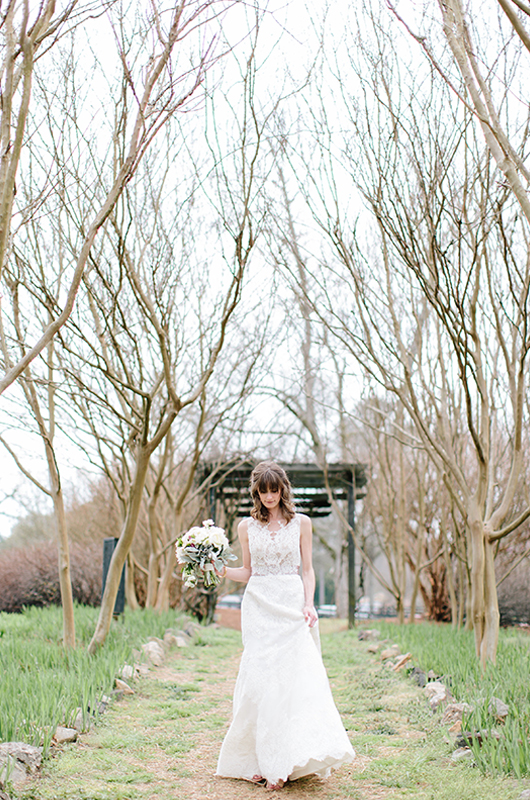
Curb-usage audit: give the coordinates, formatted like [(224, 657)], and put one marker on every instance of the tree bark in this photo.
[(122, 549), (130, 590)]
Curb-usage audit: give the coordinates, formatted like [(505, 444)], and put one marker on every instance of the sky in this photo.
[(288, 46)]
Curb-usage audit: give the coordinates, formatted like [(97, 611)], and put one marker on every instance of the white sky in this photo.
[(288, 44)]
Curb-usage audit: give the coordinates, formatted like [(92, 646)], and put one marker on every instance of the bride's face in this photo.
[(270, 500)]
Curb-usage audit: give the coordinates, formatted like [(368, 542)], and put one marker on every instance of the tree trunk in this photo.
[(162, 601), (463, 592), (152, 580), (400, 610), (484, 602), (63, 550), (130, 591), (417, 576), (122, 549), (477, 580), (341, 581), (490, 637), (451, 587), (65, 579)]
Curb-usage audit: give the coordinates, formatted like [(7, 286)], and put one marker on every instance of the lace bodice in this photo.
[(274, 553)]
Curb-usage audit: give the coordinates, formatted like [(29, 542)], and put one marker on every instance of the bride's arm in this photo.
[(243, 573), (308, 573)]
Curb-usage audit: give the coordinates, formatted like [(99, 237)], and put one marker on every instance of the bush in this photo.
[(29, 576), (514, 597)]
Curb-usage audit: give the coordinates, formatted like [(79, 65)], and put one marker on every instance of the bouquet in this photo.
[(202, 551)]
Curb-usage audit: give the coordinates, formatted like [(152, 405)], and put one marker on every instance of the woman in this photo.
[(285, 724)]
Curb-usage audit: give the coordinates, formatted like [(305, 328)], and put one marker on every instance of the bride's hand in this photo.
[(221, 573), (310, 615)]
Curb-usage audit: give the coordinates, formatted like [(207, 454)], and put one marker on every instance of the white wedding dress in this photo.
[(285, 723)]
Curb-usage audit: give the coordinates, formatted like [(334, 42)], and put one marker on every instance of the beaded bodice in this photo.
[(274, 552)]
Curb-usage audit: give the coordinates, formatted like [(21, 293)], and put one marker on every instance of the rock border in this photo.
[(437, 693), (19, 761)]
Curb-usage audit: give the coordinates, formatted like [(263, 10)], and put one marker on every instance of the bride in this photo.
[(285, 724)]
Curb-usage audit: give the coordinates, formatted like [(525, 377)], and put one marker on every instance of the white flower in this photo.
[(216, 536), (197, 535), (208, 523)]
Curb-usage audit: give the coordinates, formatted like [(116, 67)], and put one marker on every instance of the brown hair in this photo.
[(270, 477)]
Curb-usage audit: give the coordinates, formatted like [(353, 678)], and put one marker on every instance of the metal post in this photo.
[(351, 552), (109, 546), (212, 503)]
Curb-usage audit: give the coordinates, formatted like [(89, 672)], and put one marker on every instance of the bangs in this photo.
[(268, 482)]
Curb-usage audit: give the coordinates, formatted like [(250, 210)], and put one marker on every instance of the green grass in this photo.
[(162, 742), (451, 654), (42, 685)]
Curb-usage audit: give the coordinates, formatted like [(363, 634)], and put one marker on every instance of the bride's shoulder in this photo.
[(305, 522), (244, 524)]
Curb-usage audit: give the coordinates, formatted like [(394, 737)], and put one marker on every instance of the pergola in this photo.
[(313, 491)]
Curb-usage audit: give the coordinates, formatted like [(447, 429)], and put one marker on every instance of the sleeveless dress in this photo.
[(285, 723)]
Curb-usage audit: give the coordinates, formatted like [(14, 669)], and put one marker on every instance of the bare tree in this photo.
[(440, 290), (152, 89)]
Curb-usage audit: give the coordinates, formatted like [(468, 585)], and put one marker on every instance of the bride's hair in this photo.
[(270, 477)]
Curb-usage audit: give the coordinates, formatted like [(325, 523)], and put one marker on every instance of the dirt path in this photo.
[(200, 782), (162, 743)]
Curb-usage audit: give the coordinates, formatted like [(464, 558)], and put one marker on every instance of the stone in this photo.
[(373, 648), (127, 672), (17, 761), (437, 694), (453, 713), (498, 709), (466, 738), (525, 795), (401, 661), (142, 669), (432, 676), (390, 652), (81, 724), (178, 639), (418, 676), (64, 735), (191, 628), (103, 703), (434, 688), (160, 642), (121, 686), (154, 652), (369, 635), (462, 753)]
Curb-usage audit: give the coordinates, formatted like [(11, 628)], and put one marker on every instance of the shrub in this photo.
[(29, 576)]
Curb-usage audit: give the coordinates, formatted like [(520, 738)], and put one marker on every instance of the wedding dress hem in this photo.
[(320, 766)]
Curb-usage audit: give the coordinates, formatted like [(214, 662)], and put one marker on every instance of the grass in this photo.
[(452, 654), (163, 742), (43, 685)]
